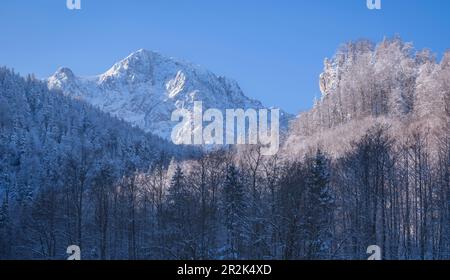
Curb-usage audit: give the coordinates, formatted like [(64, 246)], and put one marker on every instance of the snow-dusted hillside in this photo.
[(146, 87), (366, 83)]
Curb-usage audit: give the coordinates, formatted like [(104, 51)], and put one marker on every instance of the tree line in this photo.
[(242, 205)]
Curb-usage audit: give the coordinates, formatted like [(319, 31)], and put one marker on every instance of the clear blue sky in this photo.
[(274, 49)]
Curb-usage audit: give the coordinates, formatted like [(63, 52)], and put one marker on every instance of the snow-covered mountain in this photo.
[(146, 87)]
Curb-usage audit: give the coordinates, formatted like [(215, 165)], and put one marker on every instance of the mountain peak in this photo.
[(64, 72), (143, 53), (140, 62)]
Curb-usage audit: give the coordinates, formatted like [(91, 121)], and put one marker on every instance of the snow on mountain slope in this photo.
[(146, 87)]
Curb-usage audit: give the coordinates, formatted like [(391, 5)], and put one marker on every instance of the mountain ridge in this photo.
[(146, 87)]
